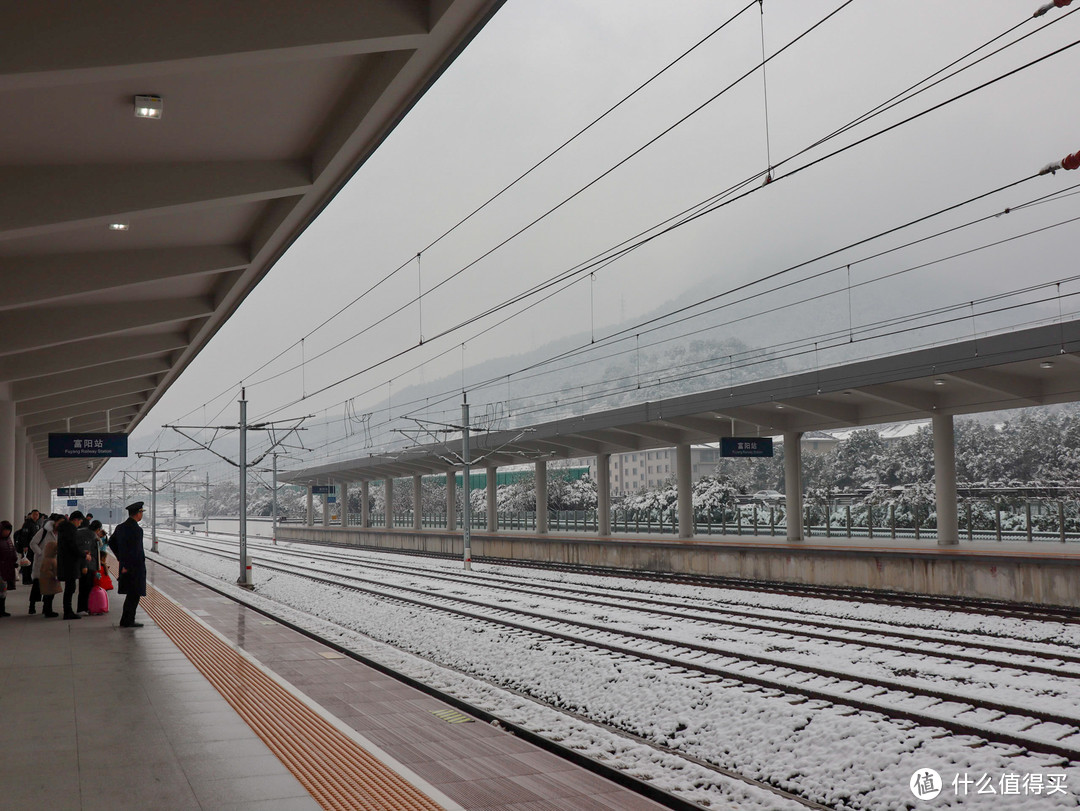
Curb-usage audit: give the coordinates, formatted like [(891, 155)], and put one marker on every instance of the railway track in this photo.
[(738, 618), (1053, 662), (1026, 727), (982, 607)]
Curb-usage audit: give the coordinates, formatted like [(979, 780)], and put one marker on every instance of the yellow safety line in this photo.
[(339, 773)]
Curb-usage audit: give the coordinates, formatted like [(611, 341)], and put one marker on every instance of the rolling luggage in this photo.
[(99, 601)]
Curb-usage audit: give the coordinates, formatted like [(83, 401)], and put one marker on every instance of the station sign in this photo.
[(73, 502), (322, 489), (68, 446), (753, 447), (331, 499), (68, 492)]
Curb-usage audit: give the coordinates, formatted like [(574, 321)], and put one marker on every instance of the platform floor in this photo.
[(95, 716)]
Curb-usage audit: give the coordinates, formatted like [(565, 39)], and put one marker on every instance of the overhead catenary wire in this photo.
[(859, 242), (712, 208), (1044, 198), (652, 78), (864, 117), (850, 330), (405, 305)]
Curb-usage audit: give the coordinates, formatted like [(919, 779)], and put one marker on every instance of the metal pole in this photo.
[(153, 504), (206, 508), (174, 507), (243, 581), (466, 529), (273, 506)]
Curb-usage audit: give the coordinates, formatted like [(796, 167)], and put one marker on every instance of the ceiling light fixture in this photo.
[(118, 226), (1046, 364), (148, 106), (939, 382)]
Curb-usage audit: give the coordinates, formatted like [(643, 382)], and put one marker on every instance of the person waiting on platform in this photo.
[(127, 544), (23, 536), (71, 563), (8, 558), (37, 547), (47, 580)]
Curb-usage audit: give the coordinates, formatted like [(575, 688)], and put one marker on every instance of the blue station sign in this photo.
[(74, 446), (73, 502), (753, 447)]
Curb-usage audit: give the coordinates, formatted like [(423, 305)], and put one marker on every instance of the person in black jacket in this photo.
[(127, 544), (70, 564), (23, 536)]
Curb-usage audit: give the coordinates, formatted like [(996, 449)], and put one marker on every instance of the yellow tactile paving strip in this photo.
[(339, 773)]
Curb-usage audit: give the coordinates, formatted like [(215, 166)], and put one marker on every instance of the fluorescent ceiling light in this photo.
[(118, 226), (148, 106)]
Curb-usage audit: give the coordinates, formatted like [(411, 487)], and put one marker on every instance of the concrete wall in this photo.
[(255, 526), (1050, 581)]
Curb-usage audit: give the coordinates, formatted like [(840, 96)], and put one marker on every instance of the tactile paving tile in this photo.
[(337, 771)]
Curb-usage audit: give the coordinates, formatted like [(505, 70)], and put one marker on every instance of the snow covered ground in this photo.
[(668, 725)]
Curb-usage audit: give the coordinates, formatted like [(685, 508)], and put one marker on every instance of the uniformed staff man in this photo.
[(127, 544)]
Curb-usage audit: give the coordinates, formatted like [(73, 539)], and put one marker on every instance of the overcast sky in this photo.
[(542, 69)]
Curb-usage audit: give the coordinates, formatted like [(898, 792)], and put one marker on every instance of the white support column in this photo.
[(793, 484), (7, 458), (46, 490), (451, 500), (417, 502), (948, 529), (30, 486), (684, 483), (22, 503), (541, 498), (389, 492), (343, 503), (603, 493), (326, 508), (310, 507), (365, 504), (492, 500)]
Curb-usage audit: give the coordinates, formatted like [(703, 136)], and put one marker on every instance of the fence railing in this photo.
[(1028, 521)]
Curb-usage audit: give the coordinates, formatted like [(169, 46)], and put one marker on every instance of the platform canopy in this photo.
[(126, 242), (1030, 367)]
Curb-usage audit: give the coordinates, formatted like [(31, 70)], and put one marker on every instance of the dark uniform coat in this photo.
[(127, 544)]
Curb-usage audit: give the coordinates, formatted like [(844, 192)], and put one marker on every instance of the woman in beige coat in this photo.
[(47, 579)]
